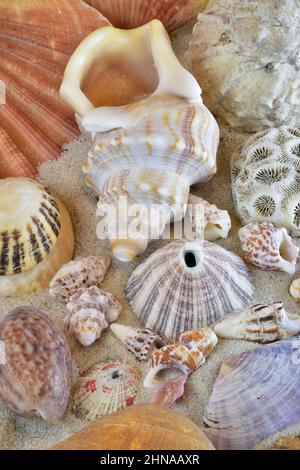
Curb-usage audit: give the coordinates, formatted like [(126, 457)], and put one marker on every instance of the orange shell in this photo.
[(133, 13), (139, 427), (36, 41)]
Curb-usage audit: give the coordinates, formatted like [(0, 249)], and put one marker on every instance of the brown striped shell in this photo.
[(36, 236), (35, 364)]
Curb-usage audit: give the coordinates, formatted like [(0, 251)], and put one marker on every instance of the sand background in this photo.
[(65, 178)]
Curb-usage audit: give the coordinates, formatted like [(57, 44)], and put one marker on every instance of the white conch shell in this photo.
[(189, 353), (152, 136), (216, 222), (90, 311), (265, 179), (186, 285), (268, 247), (246, 56), (259, 323), (36, 236)]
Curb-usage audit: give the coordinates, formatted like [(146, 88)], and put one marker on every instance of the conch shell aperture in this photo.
[(152, 136)]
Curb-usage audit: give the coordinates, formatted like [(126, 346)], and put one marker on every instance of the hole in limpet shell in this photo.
[(116, 374), (190, 259)]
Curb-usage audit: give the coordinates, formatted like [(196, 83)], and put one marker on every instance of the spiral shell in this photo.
[(152, 135), (186, 285), (90, 312), (140, 342), (81, 272), (256, 395), (269, 248), (35, 365), (189, 353), (261, 323), (36, 236), (105, 388), (265, 179)]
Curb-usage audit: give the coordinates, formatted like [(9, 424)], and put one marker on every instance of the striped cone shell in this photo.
[(105, 388), (187, 285)]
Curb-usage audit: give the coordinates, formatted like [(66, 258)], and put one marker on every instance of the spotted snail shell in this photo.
[(36, 236), (152, 135), (35, 364)]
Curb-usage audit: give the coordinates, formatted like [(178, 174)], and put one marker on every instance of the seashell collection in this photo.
[(187, 285), (90, 312), (105, 388), (268, 247), (109, 69)]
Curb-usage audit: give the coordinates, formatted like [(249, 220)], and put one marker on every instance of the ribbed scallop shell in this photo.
[(187, 354), (265, 179), (141, 342), (35, 364), (261, 323), (133, 13), (268, 247), (90, 312), (81, 272), (105, 388), (187, 285), (256, 394), (36, 40)]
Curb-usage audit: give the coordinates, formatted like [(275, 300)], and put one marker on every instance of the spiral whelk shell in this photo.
[(268, 247), (152, 139), (90, 312), (187, 285), (256, 395), (35, 364), (105, 388), (187, 354), (265, 179), (36, 236), (81, 272), (261, 323)]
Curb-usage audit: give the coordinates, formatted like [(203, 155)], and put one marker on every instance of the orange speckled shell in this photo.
[(134, 13), (36, 39), (36, 367), (139, 427)]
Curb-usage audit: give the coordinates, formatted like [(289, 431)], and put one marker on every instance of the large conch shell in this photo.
[(153, 137), (130, 14), (36, 40), (35, 364), (256, 395), (261, 323), (36, 236), (188, 285)]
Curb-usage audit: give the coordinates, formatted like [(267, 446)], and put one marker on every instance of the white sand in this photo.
[(65, 178)]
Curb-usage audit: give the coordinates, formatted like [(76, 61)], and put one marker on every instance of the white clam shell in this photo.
[(260, 323), (256, 395), (187, 285)]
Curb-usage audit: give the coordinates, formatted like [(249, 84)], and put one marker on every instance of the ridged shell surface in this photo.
[(35, 365), (256, 395), (105, 388), (265, 179), (187, 285), (245, 55), (36, 41), (36, 235), (134, 13), (80, 272)]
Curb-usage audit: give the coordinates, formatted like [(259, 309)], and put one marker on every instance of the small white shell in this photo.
[(216, 222), (260, 323), (90, 311), (105, 388), (81, 272), (268, 247), (295, 289)]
